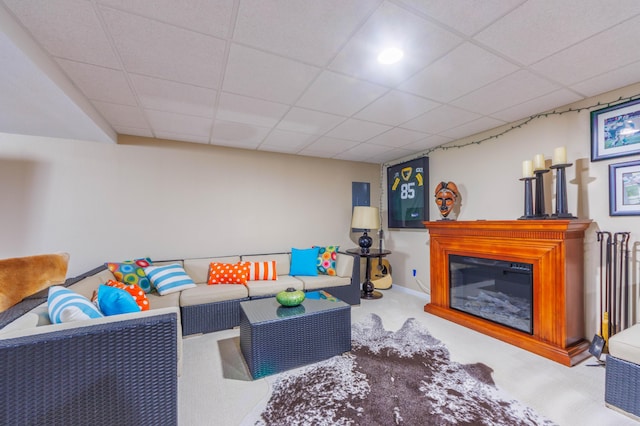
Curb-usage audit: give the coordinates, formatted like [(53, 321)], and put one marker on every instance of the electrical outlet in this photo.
[(414, 272)]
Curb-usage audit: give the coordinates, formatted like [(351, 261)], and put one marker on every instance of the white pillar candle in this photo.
[(527, 168), (560, 155), (538, 162)]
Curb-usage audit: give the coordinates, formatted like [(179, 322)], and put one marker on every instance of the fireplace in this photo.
[(495, 290), (543, 260)]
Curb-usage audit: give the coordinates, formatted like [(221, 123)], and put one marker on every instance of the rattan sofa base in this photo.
[(622, 386), (210, 317), (116, 373)]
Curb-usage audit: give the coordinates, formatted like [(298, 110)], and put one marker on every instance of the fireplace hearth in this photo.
[(545, 317)]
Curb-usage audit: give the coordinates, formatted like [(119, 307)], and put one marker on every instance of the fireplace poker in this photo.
[(598, 342), (607, 278)]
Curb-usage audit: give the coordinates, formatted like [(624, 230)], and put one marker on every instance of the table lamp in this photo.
[(365, 218)]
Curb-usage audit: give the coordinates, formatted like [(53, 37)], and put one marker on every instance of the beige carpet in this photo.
[(215, 388)]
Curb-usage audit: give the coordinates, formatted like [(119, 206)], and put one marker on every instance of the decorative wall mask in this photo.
[(447, 195)]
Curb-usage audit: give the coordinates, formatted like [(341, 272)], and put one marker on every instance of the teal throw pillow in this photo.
[(115, 301), (304, 261)]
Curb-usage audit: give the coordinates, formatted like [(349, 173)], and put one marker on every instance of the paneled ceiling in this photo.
[(301, 76)]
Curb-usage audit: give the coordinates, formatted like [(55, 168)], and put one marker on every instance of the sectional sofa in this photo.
[(123, 369)]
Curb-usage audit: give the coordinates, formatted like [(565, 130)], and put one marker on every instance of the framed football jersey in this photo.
[(407, 184)]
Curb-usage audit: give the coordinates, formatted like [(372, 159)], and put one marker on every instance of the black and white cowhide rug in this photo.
[(392, 378)]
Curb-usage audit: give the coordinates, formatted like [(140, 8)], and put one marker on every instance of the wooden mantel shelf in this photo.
[(554, 248)]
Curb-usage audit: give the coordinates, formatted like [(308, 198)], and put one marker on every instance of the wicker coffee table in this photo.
[(275, 338)]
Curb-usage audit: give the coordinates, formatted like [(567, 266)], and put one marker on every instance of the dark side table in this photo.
[(368, 291)]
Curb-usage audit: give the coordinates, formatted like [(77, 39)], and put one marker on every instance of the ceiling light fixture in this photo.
[(390, 55)]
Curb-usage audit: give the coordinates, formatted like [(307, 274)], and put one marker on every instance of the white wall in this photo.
[(164, 200), (487, 175)]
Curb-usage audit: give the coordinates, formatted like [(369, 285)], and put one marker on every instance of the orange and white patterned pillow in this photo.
[(134, 290), (228, 273), (262, 270)]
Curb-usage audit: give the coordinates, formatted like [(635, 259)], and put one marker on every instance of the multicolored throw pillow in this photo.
[(228, 273), (262, 270), (327, 260), (132, 272), (134, 290), (65, 305)]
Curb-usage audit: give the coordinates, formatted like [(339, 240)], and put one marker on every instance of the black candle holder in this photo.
[(528, 198), (539, 204), (561, 192)]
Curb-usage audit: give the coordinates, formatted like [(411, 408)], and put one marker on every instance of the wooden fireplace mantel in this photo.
[(553, 247)]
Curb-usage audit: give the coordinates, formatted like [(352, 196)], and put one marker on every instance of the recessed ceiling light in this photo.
[(390, 55)]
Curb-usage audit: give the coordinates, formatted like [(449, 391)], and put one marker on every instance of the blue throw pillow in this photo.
[(304, 261), (115, 301), (65, 305)]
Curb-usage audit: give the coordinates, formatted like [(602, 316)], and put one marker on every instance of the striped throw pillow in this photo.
[(65, 305), (169, 278), (262, 270)]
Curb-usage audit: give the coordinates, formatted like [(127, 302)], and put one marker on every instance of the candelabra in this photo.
[(561, 192), (528, 198)]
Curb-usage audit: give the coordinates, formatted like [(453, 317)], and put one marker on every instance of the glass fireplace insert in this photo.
[(496, 290)]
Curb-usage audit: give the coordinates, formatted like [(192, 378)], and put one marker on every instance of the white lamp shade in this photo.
[(365, 218)]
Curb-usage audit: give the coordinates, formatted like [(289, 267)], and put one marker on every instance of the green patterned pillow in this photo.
[(132, 272)]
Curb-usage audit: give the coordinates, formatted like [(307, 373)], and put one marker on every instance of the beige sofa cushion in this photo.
[(198, 269), (323, 281), (283, 261), (271, 288), (344, 265), (204, 293), (626, 344), (171, 300), (87, 286)]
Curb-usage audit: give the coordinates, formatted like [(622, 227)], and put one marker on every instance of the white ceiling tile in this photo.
[(392, 26), (242, 109), (397, 137), (121, 115), (309, 31), (440, 119), (473, 127), (67, 29), (466, 16), (99, 83), (292, 141), (396, 107), (328, 147), (357, 130), (339, 94), (390, 155), (205, 16), (614, 79), (514, 89), (183, 137), (601, 53), (308, 121), (427, 143), (170, 122), (363, 152), (159, 50), (169, 96), (237, 134), (266, 76), (538, 29), (463, 70), (543, 103)]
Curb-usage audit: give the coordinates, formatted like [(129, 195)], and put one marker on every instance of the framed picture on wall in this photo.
[(624, 189), (615, 131), (407, 187)]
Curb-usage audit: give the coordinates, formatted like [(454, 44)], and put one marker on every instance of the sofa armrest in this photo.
[(351, 293), (100, 373)]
